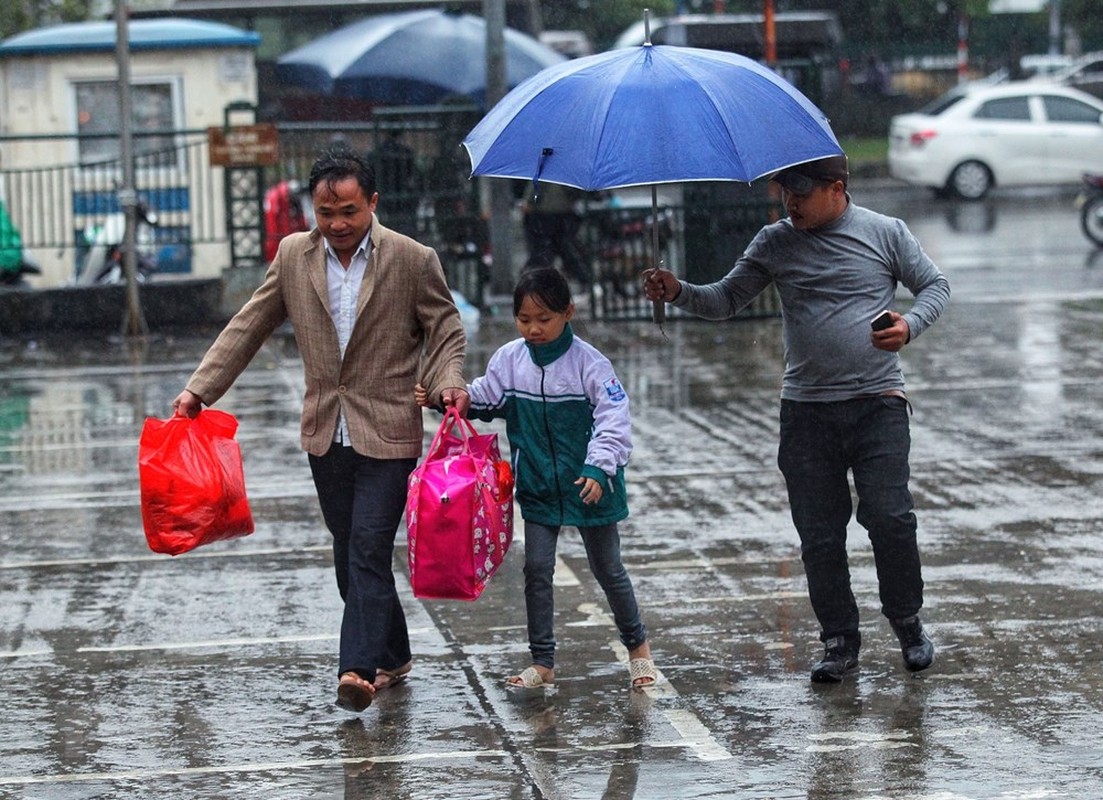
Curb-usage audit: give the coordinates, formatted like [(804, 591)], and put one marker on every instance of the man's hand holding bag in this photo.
[(192, 482)]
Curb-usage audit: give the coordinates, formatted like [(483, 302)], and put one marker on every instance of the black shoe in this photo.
[(840, 658), (915, 644)]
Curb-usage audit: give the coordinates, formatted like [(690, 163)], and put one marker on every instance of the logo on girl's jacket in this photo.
[(614, 390)]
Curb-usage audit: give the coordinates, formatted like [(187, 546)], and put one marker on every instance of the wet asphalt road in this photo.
[(127, 674)]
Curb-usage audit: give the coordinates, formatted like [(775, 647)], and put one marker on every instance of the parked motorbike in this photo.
[(1090, 202), (103, 260)]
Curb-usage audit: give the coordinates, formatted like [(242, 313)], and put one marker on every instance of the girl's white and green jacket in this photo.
[(566, 417)]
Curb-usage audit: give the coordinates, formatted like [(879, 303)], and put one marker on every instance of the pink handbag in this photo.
[(459, 513)]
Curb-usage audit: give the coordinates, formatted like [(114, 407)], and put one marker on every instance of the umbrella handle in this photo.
[(658, 311)]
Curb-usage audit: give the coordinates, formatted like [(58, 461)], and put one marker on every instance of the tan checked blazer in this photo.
[(407, 330)]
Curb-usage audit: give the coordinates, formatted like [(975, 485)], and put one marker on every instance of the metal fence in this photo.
[(57, 207), (425, 189)]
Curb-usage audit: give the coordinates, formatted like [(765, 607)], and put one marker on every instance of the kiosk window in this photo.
[(97, 104)]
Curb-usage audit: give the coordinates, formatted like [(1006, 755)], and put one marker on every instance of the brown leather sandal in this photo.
[(387, 678), (354, 693)]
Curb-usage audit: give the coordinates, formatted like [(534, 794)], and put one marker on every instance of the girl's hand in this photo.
[(591, 490), (421, 395)]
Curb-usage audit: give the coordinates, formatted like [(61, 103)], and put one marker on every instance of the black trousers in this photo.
[(820, 444), (362, 501)]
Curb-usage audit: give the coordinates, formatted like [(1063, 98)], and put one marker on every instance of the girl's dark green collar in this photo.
[(547, 352)]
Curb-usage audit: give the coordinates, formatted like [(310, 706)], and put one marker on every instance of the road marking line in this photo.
[(727, 598), (857, 740), (695, 736), (216, 643), (564, 575), (92, 777), (26, 653), (161, 557), (136, 648)]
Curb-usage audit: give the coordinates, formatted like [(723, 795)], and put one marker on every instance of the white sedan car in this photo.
[(1015, 134)]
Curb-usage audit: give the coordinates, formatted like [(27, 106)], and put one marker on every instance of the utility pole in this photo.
[(769, 39), (495, 191), (1055, 27), (962, 46), (135, 322)]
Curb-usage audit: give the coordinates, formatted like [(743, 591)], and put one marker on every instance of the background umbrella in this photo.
[(647, 115), (409, 58)]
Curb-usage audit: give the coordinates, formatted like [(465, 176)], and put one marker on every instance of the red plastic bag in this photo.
[(459, 513), (192, 481)]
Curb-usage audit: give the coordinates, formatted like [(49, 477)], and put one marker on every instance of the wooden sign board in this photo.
[(244, 146)]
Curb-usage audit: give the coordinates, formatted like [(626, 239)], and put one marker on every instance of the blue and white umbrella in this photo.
[(418, 57), (648, 115)]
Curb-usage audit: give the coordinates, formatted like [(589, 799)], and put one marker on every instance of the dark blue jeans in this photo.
[(362, 501), (603, 553), (820, 444)]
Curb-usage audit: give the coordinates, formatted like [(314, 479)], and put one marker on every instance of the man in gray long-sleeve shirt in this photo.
[(836, 266)]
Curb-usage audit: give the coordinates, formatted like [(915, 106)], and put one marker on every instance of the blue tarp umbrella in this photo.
[(410, 58), (650, 114), (647, 115)]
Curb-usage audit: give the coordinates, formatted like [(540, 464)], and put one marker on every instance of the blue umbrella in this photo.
[(410, 58), (650, 114), (647, 115)]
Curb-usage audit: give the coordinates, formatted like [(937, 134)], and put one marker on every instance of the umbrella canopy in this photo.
[(410, 58), (650, 114)]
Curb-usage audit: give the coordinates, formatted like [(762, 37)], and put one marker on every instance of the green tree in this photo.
[(17, 16), (1083, 16)]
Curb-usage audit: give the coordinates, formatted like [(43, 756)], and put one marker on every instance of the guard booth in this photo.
[(59, 135)]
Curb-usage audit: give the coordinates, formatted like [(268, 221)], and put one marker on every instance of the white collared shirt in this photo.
[(344, 290)]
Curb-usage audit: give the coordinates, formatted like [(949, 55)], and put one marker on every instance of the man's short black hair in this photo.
[(339, 162)]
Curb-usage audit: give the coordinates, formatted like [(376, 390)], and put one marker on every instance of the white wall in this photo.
[(37, 97)]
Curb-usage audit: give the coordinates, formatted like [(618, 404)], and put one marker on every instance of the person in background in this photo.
[(399, 181), (552, 224), (570, 436), (14, 264), (372, 315), (836, 266)]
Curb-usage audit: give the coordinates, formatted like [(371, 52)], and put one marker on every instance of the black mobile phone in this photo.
[(881, 321)]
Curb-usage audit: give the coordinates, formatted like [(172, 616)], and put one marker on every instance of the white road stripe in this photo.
[(273, 766), (138, 559), (564, 575), (695, 736), (216, 643)]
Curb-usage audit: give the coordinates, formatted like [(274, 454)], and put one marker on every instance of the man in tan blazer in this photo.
[(372, 316)]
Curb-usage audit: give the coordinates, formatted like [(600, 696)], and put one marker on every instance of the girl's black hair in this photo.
[(546, 285)]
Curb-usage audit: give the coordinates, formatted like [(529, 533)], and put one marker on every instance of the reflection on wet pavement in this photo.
[(129, 674)]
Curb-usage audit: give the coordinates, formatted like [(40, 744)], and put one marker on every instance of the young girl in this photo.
[(569, 432)]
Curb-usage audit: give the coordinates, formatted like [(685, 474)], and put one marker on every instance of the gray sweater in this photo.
[(832, 281)]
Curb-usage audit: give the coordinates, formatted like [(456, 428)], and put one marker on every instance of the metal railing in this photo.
[(435, 202)]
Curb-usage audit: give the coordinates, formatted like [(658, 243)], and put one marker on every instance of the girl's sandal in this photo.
[(530, 678), (643, 673)]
